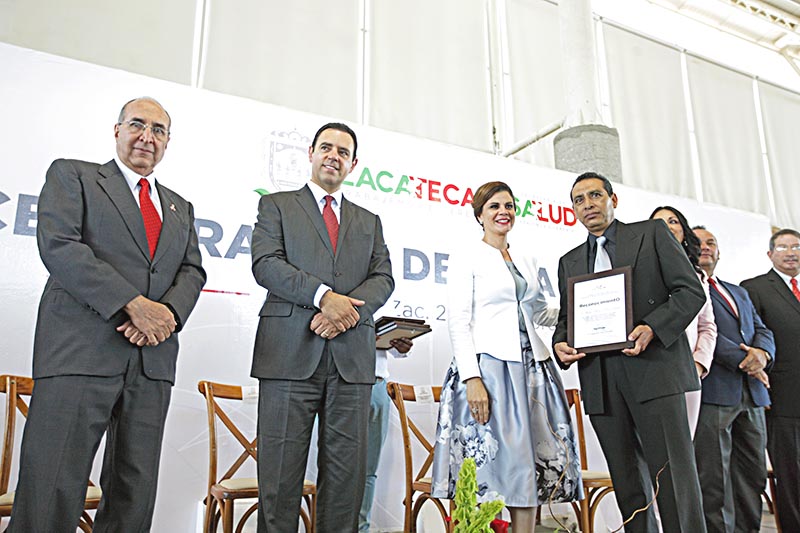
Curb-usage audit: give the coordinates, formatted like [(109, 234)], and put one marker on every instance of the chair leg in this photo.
[(313, 506), (407, 526), (586, 524), (227, 516), (774, 506), (211, 504), (243, 520)]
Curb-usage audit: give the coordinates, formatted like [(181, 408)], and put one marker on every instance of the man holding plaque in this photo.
[(634, 396)]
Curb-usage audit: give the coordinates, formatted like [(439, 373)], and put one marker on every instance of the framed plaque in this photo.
[(600, 312)]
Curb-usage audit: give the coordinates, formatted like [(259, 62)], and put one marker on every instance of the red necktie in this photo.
[(152, 222), (724, 298), (795, 290), (330, 221)]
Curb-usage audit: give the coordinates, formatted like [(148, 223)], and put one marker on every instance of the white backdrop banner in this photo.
[(225, 152)]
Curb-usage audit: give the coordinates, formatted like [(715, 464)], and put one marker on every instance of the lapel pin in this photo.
[(172, 207)]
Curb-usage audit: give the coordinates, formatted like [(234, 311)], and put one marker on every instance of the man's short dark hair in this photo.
[(592, 176), (337, 126), (780, 233)]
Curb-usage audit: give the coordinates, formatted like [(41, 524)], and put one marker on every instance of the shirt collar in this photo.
[(132, 178), (610, 234), (320, 193), (786, 278)]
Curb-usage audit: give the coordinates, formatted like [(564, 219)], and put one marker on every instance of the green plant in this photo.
[(468, 517)]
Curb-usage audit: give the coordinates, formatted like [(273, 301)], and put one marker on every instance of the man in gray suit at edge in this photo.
[(326, 267), (125, 273)]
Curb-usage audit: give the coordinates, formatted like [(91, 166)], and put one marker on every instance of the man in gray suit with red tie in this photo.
[(731, 436), (635, 397), (776, 297), (125, 273), (326, 267)]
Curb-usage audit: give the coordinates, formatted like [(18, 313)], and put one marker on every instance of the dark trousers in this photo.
[(286, 413), (783, 443), (638, 440), (730, 444), (66, 421)]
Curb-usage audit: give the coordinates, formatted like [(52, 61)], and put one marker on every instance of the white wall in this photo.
[(423, 68)]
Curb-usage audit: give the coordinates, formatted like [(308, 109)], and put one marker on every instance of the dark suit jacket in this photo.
[(292, 257), (780, 310), (723, 384), (92, 241), (666, 296)]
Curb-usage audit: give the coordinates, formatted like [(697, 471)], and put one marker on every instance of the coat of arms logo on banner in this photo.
[(287, 160)]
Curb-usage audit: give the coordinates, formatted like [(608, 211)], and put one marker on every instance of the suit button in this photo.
[(153, 270)]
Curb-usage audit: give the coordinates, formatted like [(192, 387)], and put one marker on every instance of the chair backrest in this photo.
[(212, 392), (14, 387), (400, 394), (574, 400)]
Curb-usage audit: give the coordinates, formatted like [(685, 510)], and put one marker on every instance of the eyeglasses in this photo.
[(137, 126), (784, 248)]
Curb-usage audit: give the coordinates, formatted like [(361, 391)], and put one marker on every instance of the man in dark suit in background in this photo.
[(776, 297), (635, 397), (125, 272), (326, 267), (731, 434)]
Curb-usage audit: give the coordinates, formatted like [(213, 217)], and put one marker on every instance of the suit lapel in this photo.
[(738, 301), (117, 189), (170, 222), (578, 262), (628, 244), (785, 292), (345, 218), (307, 202)]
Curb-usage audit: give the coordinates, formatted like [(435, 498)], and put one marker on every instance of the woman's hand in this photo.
[(478, 400)]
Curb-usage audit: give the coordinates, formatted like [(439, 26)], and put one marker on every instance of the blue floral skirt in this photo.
[(525, 447)]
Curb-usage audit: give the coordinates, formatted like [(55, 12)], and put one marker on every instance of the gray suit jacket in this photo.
[(292, 257), (92, 241), (666, 296)]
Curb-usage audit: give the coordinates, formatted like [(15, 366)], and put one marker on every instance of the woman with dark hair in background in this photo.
[(702, 331), (502, 401)]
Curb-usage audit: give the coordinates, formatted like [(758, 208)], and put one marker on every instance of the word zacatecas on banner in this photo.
[(440, 191)]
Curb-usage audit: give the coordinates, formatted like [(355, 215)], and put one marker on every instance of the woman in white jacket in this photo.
[(502, 401)]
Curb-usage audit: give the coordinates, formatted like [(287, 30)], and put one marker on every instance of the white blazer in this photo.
[(482, 307)]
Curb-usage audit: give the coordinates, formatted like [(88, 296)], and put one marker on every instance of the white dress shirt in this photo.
[(132, 179), (786, 279)]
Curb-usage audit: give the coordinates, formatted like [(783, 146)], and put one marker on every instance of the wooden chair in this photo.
[(596, 485), (15, 388), (418, 484), (224, 490)]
